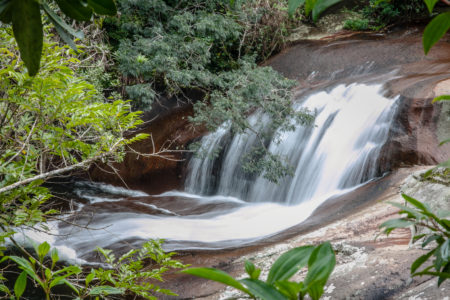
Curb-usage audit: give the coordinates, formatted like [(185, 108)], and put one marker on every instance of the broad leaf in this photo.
[(6, 11), (103, 7), (27, 28), (263, 290), (217, 275), (75, 9), (289, 263), (435, 30), (322, 5), (320, 265), (430, 4), (293, 5), (20, 285)]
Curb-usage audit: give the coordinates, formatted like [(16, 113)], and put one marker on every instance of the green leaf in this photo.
[(103, 7), (75, 9), (445, 270), (289, 263), (106, 290), (20, 285), (418, 262), (430, 239), (43, 249), (289, 289), (218, 276), (262, 290), (6, 11), (89, 278), (309, 5), (392, 224), (430, 4), (320, 265), (293, 5), (435, 30), (320, 6), (444, 142), (445, 251), (4, 289), (251, 270), (27, 28), (441, 98), (54, 256)]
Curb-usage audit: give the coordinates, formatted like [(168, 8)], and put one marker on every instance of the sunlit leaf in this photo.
[(441, 98)]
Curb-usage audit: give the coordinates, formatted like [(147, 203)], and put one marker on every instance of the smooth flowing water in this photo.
[(222, 206)]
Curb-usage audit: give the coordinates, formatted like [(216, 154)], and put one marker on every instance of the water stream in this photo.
[(224, 207)]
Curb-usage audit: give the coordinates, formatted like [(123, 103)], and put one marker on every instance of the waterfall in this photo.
[(339, 151), (222, 206)]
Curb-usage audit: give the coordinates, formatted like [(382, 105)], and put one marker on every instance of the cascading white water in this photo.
[(224, 207), (340, 151)]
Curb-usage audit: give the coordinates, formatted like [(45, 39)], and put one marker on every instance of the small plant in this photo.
[(129, 274), (320, 261), (357, 24), (420, 215)]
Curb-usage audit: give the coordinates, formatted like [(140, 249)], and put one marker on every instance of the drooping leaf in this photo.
[(430, 239), (392, 224), (75, 9), (418, 262), (441, 98), (430, 4), (320, 6), (435, 30), (20, 284), (217, 275), (263, 290), (445, 270), (293, 5), (27, 28), (289, 263), (103, 7)]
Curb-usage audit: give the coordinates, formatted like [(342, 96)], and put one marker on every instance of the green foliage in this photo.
[(53, 121), (130, 275), (420, 215), (26, 21), (126, 275), (356, 24), (320, 261)]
